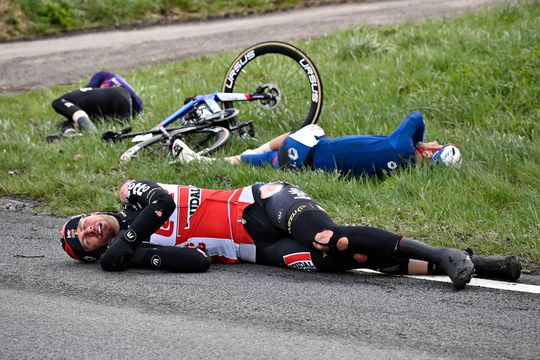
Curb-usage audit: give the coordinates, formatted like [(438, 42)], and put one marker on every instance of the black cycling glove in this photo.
[(118, 255)]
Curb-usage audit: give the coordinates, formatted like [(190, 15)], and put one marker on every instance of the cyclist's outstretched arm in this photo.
[(171, 258), (263, 155), (271, 145)]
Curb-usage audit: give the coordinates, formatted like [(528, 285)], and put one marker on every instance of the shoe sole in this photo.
[(463, 277), (461, 262)]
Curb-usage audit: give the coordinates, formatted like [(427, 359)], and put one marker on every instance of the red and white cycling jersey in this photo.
[(211, 219)]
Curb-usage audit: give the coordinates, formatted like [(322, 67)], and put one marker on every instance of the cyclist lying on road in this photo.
[(179, 228), (358, 155), (105, 95)]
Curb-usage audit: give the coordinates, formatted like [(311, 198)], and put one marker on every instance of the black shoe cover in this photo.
[(457, 265)]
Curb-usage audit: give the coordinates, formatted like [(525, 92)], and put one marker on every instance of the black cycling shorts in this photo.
[(114, 102)]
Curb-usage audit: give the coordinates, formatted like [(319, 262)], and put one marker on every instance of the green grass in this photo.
[(29, 18), (476, 79)]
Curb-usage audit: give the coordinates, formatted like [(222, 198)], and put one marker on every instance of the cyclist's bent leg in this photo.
[(413, 127), (74, 107), (65, 107), (317, 227), (114, 102), (273, 144), (292, 210), (371, 241), (289, 253)]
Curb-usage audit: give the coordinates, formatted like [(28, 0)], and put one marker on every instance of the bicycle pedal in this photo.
[(247, 136), (51, 139)]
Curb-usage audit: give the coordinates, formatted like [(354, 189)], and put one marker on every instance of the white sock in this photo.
[(77, 114)]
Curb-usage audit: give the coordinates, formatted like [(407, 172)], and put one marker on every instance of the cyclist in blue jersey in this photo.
[(106, 95), (358, 155)]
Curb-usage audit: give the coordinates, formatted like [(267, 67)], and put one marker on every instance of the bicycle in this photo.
[(287, 86)]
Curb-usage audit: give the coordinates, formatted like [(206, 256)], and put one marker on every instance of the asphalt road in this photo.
[(54, 308)]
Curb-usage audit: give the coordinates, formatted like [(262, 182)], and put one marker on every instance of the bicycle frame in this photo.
[(290, 67), (215, 115), (210, 102)]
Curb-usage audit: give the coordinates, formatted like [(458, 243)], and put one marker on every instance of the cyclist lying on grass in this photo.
[(183, 228), (105, 95), (358, 155)]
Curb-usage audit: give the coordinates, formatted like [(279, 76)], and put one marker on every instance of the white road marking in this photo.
[(491, 284)]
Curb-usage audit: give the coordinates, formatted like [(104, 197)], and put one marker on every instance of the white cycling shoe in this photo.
[(182, 152)]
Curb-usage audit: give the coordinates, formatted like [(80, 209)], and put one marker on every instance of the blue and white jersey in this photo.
[(295, 152), (370, 154)]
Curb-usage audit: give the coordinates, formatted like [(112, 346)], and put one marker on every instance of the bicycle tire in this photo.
[(291, 71), (203, 140)]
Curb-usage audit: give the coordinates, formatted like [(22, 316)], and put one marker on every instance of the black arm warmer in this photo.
[(156, 208), (171, 258), (151, 218)]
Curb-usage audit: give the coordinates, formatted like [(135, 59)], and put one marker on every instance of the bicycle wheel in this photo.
[(283, 71), (203, 141), (206, 140)]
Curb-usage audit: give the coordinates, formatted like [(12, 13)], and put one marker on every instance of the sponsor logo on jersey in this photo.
[(293, 215), (298, 194), (194, 201), (113, 82), (292, 153), (155, 261), (130, 235), (137, 188), (300, 261)]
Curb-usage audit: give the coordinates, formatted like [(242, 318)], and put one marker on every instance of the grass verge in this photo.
[(476, 79)]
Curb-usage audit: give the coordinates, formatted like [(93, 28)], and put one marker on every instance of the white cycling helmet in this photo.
[(448, 155)]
